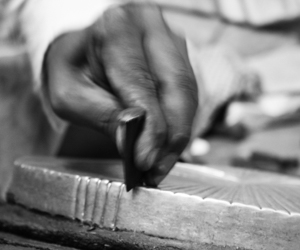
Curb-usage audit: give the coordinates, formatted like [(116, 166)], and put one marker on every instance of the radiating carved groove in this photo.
[(188, 189), (222, 193), (269, 203), (209, 195), (234, 194), (266, 202), (84, 197), (99, 204), (199, 191), (225, 193), (294, 192), (249, 198), (114, 222), (180, 189), (262, 199), (289, 202), (238, 195), (192, 191), (90, 200), (91, 197), (108, 185), (97, 199), (77, 198), (270, 194), (252, 193)]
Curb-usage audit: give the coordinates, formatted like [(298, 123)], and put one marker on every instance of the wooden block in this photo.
[(223, 206), (61, 231), (14, 242), (293, 8), (232, 10), (203, 6), (262, 12), (259, 12), (254, 12)]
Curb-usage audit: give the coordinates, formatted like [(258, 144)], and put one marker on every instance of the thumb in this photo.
[(73, 94)]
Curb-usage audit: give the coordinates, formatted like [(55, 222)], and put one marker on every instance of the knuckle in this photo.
[(146, 81), (156, 128), (186, 82), (58, 100), (161, 131), (115, 24), (107, 120), (180, 139), (152, 11), (144, 84), (117, 14), (119, 19)]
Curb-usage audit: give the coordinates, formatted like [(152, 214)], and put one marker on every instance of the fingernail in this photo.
[(152, 158), (164, 167), (147, 160), (120, 138)]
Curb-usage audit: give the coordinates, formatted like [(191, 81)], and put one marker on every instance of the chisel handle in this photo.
[(131, 122)]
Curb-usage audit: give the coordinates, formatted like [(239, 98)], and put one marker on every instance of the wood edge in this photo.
[(127, 219), (40, 226)]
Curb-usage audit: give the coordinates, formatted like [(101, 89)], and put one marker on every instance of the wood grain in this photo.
[(224, 206), (14, 242), (62, 231), (253, 12)]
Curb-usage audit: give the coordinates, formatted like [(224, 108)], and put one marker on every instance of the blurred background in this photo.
[(246, 58)]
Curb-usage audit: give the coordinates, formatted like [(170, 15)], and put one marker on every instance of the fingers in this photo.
[(131, 81), (73, 95), (167, 57), (130, 63)]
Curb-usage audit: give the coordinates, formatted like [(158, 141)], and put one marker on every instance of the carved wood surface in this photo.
[(220, 205), (14, 242)]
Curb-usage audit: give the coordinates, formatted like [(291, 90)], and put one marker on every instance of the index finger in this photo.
[(167, 57), (131, 80)]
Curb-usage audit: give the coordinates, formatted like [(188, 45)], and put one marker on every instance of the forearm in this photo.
[(43, 20)]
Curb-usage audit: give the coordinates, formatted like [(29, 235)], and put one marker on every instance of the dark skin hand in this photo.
[(128, 58)]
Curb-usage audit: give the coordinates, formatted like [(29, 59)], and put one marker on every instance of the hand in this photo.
[(127, 58)]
